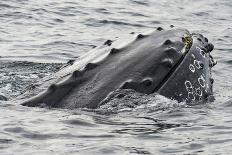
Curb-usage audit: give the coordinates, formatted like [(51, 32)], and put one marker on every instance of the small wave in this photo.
[(228, 103), (201, 14), (229, 61), (144, 3), (134, 14), (59, 43), (79, 122), (3, 98), (103, 10), (68, 11), (6, 6), (120, 23), (58, 20), (6, 141), (39, 10), (96, 22)]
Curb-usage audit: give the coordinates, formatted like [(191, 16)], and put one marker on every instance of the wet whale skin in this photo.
[(173, 63)]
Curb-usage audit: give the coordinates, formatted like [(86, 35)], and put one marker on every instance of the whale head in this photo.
[(174, 63)]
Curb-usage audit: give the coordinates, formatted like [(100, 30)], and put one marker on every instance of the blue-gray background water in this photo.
[(37, 37)]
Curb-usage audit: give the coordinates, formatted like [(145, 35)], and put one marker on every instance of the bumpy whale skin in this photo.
[(173, 62)]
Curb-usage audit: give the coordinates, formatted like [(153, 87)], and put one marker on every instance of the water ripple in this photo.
[(37, 35)]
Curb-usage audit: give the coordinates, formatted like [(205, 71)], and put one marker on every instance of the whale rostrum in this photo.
[(173, 63)]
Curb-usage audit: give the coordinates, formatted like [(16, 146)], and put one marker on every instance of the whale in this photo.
[(174, 63)]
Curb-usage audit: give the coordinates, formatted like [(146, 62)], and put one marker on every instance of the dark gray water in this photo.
[(37, 36)]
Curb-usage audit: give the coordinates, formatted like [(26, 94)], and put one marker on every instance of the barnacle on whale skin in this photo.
[(188, 41)]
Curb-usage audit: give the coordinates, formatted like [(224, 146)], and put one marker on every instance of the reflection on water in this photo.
[(37, 36)]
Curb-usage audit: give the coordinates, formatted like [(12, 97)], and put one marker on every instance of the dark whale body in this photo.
[(174, 63)]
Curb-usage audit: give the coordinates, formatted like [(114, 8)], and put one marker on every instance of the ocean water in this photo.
[(38, 37)]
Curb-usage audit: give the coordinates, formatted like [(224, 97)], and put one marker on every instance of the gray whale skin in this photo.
[(174, 63)]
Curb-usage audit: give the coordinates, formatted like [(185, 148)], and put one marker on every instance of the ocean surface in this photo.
[(39, 37)]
